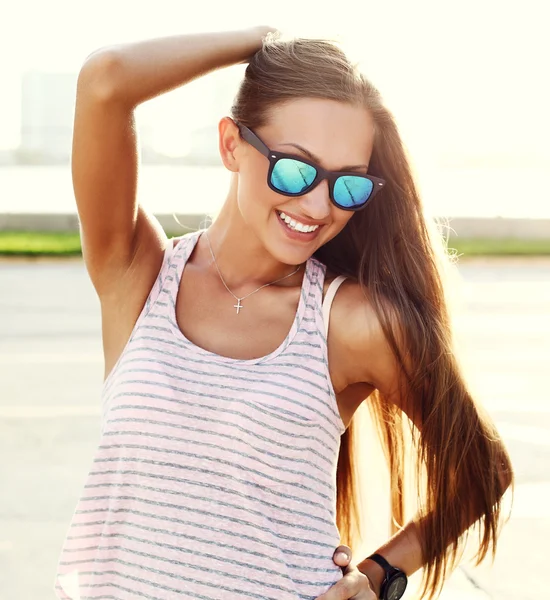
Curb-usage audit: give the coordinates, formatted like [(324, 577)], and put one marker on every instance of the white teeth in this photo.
[(292, 224)]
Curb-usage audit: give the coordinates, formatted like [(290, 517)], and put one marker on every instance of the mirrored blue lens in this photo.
[(351, 191), (292, 176)]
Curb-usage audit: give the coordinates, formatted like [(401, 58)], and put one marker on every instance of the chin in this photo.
[(291, 248)]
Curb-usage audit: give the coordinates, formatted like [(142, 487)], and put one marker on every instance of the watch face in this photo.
[(396, 587)]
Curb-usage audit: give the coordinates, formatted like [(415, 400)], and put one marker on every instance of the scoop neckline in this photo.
[(182, 252)]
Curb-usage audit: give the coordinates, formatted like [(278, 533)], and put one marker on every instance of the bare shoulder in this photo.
[(360, 338)]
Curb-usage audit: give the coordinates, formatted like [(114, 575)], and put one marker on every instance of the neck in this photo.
[(241, 257)]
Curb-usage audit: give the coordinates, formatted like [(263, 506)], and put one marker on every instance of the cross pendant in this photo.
[(238, 306)]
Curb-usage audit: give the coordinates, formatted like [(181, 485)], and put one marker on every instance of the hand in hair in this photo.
[(263, 30)]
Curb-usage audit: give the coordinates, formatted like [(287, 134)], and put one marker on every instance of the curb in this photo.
[(489, 228)]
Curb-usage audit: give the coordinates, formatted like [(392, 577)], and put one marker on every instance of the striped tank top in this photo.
[(214, 477)]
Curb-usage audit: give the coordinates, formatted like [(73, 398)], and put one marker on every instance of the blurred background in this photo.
[(468, 84)]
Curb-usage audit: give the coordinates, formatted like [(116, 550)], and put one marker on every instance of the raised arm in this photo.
[(117, 233), (122, 245)]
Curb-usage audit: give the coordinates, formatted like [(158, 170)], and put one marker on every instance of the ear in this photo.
[(229, 143)]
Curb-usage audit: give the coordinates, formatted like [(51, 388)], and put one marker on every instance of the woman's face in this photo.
[(334, 135)]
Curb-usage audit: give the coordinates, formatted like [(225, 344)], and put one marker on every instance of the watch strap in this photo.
[(390, 572), (380, 560)]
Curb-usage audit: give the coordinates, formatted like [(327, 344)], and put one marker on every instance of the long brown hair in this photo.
[(398, 257)]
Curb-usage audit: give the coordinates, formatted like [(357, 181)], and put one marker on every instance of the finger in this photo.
[(342, 555), (344, 589), (353, 585)]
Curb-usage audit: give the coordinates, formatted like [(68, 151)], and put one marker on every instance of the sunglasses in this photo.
[(292, 176)]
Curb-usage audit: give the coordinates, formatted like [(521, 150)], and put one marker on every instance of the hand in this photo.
[(256, 36), (353, 584), (263, 30)]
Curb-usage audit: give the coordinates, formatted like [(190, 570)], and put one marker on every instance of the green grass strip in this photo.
[(37, 243), (62, 244), (500, 247)]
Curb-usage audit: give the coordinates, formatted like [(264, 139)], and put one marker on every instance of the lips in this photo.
[(296, 234), (296, 225)]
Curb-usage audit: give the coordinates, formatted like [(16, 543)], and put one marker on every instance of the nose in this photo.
[(316, 203)]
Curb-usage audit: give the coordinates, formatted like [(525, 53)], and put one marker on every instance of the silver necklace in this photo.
[(238, 306)]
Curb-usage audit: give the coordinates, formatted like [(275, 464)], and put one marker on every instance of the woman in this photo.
[(225, 466)]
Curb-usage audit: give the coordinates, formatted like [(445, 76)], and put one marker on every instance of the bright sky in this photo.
[(459, 76)]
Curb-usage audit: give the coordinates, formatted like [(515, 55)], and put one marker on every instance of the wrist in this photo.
[(375, 574)]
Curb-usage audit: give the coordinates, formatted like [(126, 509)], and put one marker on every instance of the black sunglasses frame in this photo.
[(273, 156)]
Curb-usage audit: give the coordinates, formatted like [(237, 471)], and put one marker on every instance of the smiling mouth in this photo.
[(294, 225)]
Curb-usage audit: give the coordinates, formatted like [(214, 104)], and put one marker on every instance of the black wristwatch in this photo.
[(395, 583)]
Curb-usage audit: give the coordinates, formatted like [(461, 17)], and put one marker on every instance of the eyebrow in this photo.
[(316, 159)]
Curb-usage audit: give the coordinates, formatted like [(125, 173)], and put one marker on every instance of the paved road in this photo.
[(50, 379)]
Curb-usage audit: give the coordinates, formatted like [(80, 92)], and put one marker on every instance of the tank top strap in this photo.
[(329, 297), (180, 253), (312, 286), (161, 277)]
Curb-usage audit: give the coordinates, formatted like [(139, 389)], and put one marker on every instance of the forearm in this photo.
[(403, 551), (136, 72)]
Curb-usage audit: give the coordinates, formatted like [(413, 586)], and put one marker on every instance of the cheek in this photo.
[(343, 216), (339, 221), (254, 195), (340, 218)]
